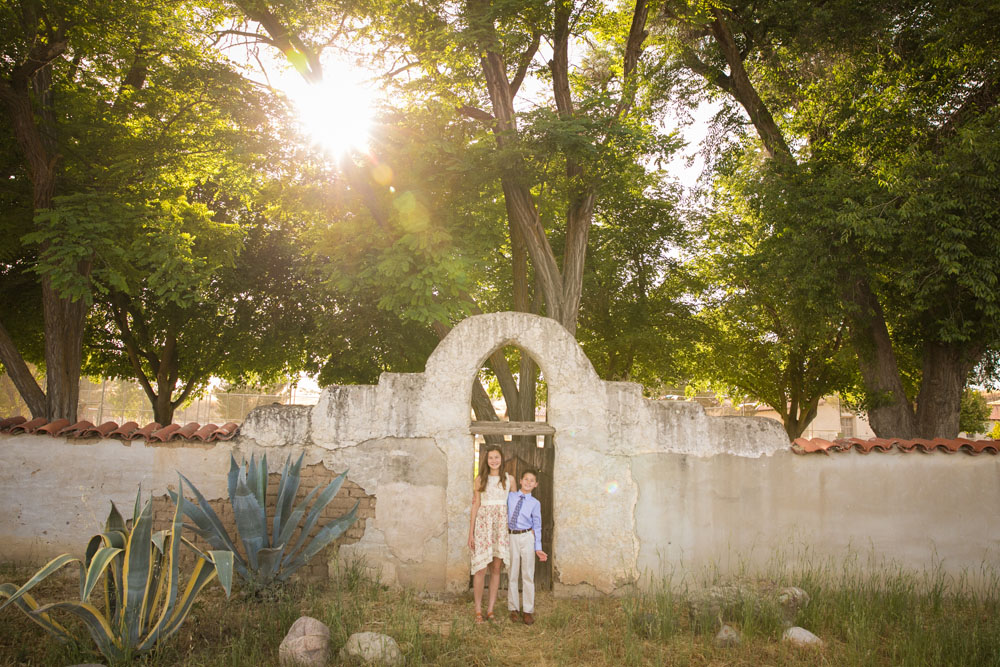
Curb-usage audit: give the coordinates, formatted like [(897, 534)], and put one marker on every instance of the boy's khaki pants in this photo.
[(522, 563)]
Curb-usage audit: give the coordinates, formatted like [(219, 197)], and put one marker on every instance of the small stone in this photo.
[(372, 647), (792, 599), (727, 636), (801, 637), (307, 643)]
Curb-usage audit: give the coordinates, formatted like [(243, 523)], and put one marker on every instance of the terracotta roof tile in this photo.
[(127, 431), (227, 431), (103, 431), (205, 432), (74, 429), (916, 445), (30, 427), (11, 422)]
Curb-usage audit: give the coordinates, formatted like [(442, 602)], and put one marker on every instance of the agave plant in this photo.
[(269, 557), (141, 605)]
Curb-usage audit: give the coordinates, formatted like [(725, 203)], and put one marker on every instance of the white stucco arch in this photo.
[(576, 409)]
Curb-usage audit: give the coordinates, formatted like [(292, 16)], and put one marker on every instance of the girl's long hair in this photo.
[(484, 468)]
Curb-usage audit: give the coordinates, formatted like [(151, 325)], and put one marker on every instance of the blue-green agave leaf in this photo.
[(208, 520), (327, 534), (288, 487), (138, 568), (223, 561), (324, 499), (234, 472), (292, 522), (269, 560), (251, 522)]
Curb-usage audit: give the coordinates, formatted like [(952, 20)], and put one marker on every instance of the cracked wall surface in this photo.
[(642, 487)]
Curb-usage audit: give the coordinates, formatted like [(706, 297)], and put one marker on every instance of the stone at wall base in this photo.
[(727, 637), (801, 637), (372, 647), (307, 643)]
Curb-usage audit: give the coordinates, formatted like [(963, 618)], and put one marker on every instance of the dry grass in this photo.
[(886, 617)]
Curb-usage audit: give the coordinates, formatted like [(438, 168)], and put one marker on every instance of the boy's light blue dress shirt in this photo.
[(530, 515)]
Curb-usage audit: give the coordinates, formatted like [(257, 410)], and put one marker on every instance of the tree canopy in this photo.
[(168, 224)]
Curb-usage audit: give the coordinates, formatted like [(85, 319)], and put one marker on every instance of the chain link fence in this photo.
[(121, 401)]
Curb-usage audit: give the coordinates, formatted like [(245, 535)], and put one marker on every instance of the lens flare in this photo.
[(612, 487)]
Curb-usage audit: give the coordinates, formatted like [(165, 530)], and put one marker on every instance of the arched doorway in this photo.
[(576, 404), (515, 420)]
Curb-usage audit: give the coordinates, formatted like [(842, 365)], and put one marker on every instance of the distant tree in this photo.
[(114, 111), (975, 412), (879, 122), (234, 302)]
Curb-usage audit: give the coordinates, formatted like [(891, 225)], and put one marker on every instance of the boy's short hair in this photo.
[(528, 471)]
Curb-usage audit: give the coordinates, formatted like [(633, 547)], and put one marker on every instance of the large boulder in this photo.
[(307, 643)]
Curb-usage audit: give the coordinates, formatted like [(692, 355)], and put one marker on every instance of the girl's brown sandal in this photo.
[(479, 618)]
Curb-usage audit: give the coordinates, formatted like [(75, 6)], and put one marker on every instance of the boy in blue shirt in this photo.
[(524, 522)]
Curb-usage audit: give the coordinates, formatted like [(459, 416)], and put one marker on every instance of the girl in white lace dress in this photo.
[(488, 537)]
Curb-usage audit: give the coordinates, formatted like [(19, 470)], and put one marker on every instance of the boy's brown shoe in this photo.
[(515, 616), (528, 618)]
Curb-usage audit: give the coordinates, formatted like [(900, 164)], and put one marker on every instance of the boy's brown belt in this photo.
[(518, 532)]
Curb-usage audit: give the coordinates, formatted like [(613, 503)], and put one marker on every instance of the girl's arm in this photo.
[(476, 502)]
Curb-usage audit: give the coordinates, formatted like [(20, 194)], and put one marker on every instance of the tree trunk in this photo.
[(63, 352), (21, 376), (63, 318), (745, 92), (945, 371), (889, 413), (797, 422), (163, 408)]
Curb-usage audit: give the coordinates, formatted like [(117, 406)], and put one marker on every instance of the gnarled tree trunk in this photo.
[(945, 371)]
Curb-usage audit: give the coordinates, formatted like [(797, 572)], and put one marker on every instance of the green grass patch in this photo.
[(866, 615)]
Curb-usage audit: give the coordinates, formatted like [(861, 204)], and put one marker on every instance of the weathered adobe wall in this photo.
[(641, 487)]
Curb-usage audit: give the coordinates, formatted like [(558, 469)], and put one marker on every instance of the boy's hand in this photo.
[(541, 556)]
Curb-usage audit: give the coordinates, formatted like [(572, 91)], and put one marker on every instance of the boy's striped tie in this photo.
[(517, 510)]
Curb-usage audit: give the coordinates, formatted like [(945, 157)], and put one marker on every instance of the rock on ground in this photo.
[(792, 599), (801, 637), (307, 643), (727, 636), (372, 647)]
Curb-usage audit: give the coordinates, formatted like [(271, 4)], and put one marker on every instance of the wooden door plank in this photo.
[(511, 428)]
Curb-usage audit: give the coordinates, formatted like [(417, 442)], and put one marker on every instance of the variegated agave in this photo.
[(269, 556), (141, 606)]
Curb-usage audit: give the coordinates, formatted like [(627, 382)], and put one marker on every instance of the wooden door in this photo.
[(544, 493), (521, 452)]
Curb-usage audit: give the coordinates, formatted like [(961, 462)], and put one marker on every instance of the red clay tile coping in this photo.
[(948, 446), (151, 432)]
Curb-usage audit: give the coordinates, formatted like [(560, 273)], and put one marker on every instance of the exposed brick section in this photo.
[(312, 476)]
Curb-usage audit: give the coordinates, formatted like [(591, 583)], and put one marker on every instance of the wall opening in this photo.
[(509, 409)]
